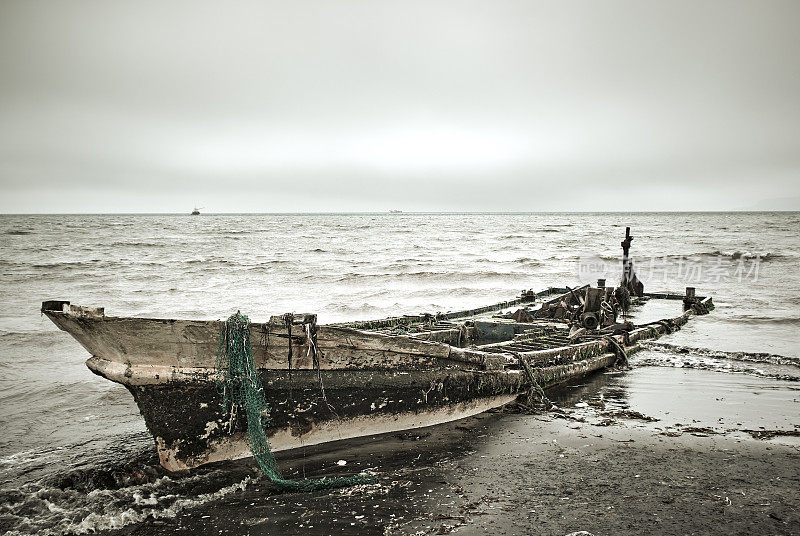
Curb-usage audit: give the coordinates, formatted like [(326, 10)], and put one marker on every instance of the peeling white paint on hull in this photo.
[(236, 447)]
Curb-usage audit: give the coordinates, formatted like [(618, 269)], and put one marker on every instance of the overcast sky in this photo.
[(155, 106)]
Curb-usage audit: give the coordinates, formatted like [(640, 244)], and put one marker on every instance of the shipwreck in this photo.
[(329, 382)]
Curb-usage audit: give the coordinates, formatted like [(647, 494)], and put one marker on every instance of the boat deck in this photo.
[(490, 330)]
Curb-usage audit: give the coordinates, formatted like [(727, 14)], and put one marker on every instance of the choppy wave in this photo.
[(93, 263), (742, 255), (527, 261), (50, 510), (144, 244), (357, 310), (96, 485), (18, 232), (756, 364), (729, 255), (748, 255), (434, 276), (764, 319), (752, 357)]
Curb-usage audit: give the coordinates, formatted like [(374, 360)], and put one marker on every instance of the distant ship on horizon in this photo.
[(393, 211), (196, 212)]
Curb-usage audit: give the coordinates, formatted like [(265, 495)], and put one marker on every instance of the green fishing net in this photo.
[(241, 389)]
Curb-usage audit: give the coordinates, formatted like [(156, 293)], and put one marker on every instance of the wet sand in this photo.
[(511, 473)]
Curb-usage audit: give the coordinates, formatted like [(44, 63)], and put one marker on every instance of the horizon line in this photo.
[(399, 212)]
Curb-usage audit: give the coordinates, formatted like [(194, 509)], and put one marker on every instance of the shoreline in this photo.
[(506, 473)]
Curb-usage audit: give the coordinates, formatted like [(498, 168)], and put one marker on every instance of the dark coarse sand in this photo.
[(523, 474)]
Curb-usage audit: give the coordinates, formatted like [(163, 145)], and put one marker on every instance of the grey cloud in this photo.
[(353, 98)]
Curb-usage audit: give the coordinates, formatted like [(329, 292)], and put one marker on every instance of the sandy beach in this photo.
[(512, 473)]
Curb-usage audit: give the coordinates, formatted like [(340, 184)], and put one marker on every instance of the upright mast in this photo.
[(629, 279)]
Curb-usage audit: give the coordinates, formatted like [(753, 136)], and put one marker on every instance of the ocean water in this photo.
[(74, 454)]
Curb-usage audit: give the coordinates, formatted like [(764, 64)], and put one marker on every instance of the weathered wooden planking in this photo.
[(187, 343)]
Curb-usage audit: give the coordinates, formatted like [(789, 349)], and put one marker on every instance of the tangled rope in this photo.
[(535, 387), (237, 379), (316, 353), (619, 351)]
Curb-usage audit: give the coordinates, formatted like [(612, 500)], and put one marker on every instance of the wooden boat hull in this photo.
[(373, 382), (191, 429)]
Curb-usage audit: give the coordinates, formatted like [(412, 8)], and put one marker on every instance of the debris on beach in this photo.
[(628, 414), (770, 434), (699, 431)]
